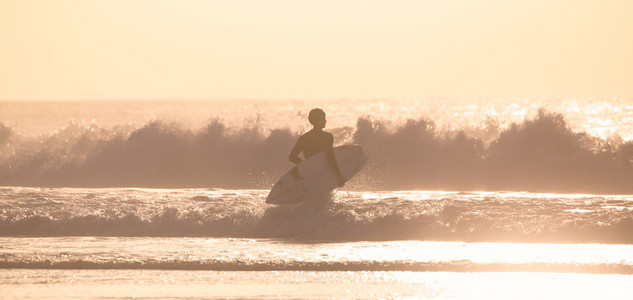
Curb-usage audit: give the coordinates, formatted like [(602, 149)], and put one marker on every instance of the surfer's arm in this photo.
[(294, 153)]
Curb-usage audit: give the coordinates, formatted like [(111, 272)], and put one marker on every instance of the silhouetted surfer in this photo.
[(315, 141)]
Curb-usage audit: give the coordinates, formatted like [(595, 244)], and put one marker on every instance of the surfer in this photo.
[(315, 141)]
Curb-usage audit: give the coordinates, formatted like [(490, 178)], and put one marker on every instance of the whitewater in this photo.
[(458, 200)]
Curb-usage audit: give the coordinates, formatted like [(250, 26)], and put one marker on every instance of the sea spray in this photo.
[(540, 153)]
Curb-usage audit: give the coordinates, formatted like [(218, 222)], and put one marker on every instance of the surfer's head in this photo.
[(317, 118)]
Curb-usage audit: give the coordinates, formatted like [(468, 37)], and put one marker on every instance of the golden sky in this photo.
[(315, 49)]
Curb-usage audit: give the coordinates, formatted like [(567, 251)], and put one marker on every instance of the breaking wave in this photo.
[(538, 154), (453, 218)]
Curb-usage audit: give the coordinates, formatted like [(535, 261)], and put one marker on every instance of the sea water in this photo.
[(160, 200), (120, 242)]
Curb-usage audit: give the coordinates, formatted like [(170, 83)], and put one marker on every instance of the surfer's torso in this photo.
[(315, 141)]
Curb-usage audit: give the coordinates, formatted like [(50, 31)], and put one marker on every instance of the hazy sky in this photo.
[(174, 49)]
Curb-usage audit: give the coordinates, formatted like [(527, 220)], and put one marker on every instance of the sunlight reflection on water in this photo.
[(108, 284), (205, 253)]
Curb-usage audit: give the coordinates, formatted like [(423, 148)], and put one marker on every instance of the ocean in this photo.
[(522, 198)]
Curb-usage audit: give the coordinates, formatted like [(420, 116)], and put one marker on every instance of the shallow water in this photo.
[(63, 243), (231, 254), (142, 284)]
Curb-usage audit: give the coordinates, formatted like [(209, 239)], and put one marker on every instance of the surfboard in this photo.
[(314, 178)]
